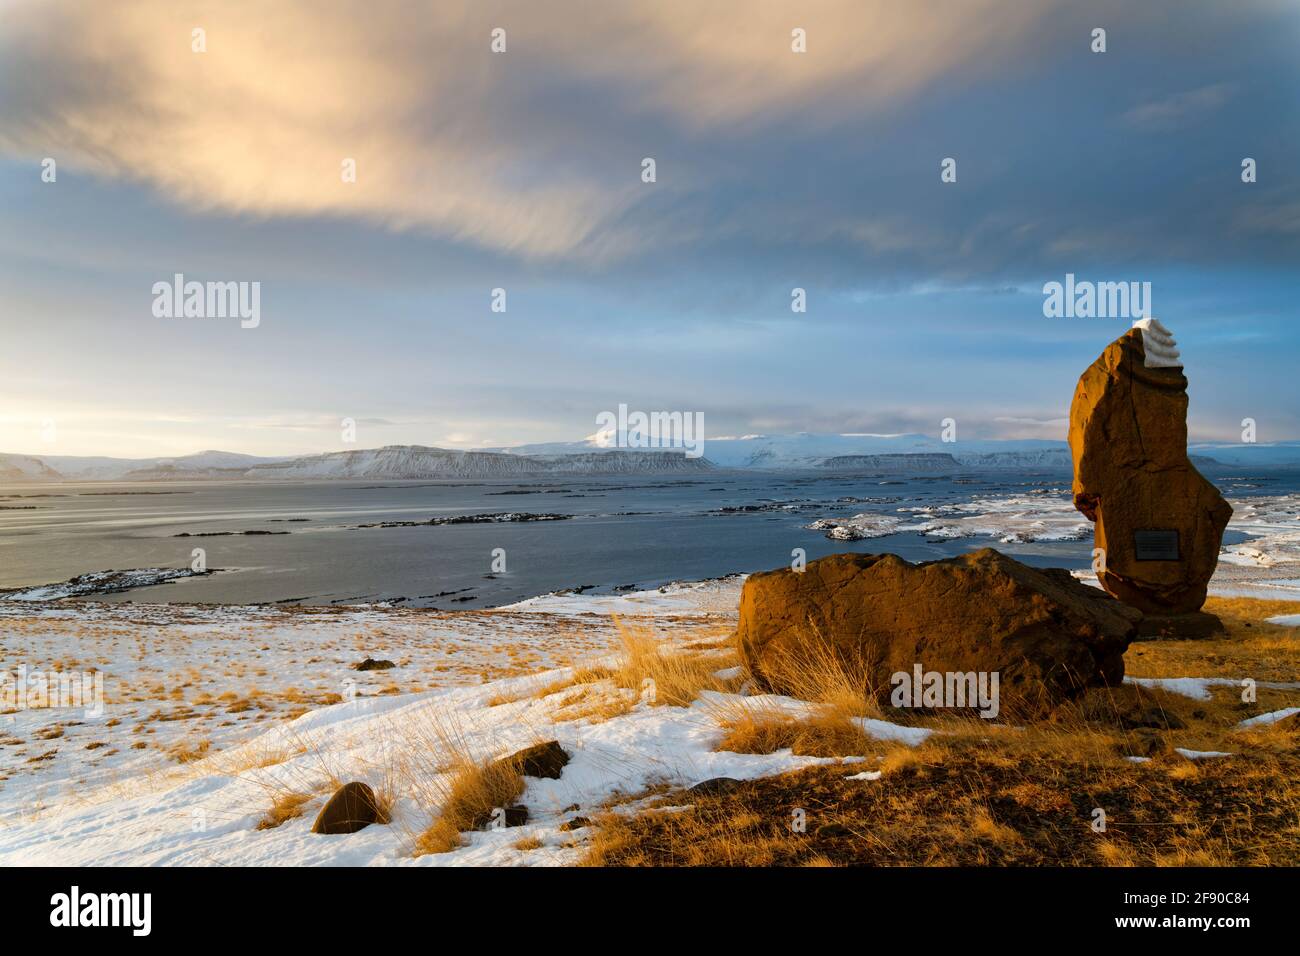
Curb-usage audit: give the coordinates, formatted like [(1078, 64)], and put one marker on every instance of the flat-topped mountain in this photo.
[(883, 454), (929, 464), (418, 461), (392, 462)]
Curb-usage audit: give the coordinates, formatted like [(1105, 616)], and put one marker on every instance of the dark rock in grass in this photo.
[(541, 760), (1152, 717), (1146, 743), (833, 831), (370, 664), (577, 823), (714, 786), (353, 807)]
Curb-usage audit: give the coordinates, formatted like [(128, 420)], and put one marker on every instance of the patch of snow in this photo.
[(1270, 718), (1021, 518), (857, 528), (719, 596), (1198, 688), (884, 730), (99, 582)]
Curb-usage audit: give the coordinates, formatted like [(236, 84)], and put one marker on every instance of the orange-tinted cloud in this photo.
[(443, 131)]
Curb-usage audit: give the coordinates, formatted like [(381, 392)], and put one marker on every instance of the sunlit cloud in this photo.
[(442, 131)]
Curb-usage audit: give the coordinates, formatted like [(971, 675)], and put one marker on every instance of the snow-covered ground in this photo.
[(1199, 688), (210, 714), (180, 681), (1266, 565), (1041, 516)]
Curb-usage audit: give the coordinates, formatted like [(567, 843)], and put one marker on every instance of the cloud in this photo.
[(1179, 109), (449, 138), (1042, 422)]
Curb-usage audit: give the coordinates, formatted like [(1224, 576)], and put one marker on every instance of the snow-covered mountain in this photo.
[(392, 462), (921, 463), (198, 465), (1260, 454), (25, 468), (892, 454), (808, 450), (417, 461)]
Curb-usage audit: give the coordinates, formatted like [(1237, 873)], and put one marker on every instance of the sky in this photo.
[(522, 170)]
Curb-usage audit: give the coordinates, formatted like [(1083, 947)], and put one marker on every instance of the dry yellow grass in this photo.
[(1251, 647), (812, 671), (751, 729), (544, 689), (183, 751), (595, 704), (663, 675), (657, 671), (287, 806), (977, 793), (1000, 804), (475, 792)]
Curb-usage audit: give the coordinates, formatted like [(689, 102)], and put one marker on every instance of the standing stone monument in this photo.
[(1159, 523)]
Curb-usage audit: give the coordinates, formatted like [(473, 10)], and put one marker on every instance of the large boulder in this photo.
[(1047, 636), (545, 760), (1158, 521), (353, 807)]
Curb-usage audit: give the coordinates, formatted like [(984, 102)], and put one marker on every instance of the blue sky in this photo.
[(521, 170)]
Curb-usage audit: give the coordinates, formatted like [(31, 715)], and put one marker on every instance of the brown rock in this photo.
[(714, 786), (352, 807), (1128, 437), (1145, 743), (1046, 635), (546, 760)]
